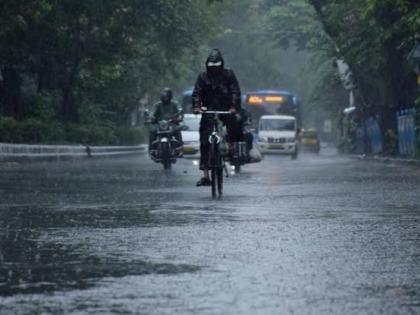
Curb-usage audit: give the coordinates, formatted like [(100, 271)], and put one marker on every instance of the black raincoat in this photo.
[(217, 89)]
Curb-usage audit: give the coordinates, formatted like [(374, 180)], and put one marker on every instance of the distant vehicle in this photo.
[(309, 141), (186, 101), (277, 134), (191, 134), (271, 102)]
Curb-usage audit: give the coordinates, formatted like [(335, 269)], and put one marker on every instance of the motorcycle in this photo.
[(166, 149), (238, 156), (240, 152)]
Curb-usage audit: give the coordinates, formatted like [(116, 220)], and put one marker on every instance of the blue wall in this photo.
[(374, 135), (407, 139)]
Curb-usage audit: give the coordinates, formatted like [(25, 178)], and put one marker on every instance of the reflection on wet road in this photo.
[(323, 234)]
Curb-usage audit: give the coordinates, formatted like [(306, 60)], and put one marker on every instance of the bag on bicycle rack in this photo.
[(255, 155), (223, 147)]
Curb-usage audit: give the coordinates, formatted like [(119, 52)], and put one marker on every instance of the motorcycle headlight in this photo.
[(163, 125)]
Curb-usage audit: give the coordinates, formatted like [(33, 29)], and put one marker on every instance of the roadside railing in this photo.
[(26, 151)]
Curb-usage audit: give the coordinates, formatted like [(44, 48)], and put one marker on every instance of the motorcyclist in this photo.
[(245, 121), (166, 109), (216, 89)]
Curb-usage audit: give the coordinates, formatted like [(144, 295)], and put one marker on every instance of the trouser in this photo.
[(234, 134)]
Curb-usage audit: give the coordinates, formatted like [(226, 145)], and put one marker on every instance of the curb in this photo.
[(388, 160)]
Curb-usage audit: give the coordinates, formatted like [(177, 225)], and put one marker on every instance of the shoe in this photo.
[(204, 182)]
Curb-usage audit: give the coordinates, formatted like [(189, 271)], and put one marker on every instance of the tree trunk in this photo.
[(10, 98), (399, 92), (70, 111), (43, 77)]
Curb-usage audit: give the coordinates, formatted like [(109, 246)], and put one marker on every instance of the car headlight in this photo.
[(263, 139), (290, 140)]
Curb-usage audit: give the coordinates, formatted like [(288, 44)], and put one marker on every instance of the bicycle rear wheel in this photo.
[(237, 169)]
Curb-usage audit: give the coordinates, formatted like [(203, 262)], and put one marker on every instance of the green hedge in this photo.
[(36, 131), (130, 136), (9, 130)]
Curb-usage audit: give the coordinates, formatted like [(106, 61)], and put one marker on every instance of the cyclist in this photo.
[(166, 109), (216, 89)]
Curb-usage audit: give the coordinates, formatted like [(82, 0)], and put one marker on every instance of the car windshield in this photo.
[(192, 123), (277, 124)]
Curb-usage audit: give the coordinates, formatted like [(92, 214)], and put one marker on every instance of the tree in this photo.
[(373, 36), (103, 54)]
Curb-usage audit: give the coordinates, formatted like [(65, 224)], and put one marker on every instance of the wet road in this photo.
[(319, 235)]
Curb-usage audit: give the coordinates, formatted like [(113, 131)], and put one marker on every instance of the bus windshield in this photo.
[(271, 102), (277, 125)]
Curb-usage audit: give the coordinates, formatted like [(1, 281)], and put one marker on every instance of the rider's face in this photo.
[(214, 70), (165, 98)]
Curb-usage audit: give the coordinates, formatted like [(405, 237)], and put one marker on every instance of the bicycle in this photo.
[(216, 158)]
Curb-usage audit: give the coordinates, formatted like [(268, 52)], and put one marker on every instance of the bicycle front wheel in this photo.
[(219, 172), (216, 170), (214, 181)]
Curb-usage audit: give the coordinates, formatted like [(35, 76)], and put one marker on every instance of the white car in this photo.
[(277, 134), (191, 135)]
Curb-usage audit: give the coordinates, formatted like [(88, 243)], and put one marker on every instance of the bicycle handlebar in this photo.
[(216, 112)]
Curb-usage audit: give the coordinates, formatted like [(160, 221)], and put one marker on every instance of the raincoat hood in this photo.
[(215, 59)]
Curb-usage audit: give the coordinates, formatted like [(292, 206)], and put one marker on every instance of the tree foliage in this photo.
[(90, 58), (87, 62)]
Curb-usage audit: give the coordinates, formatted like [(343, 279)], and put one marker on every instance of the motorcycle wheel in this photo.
[(167, 165), (166, 156)]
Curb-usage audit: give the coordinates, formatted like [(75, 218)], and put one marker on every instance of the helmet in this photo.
[(166, 95)]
